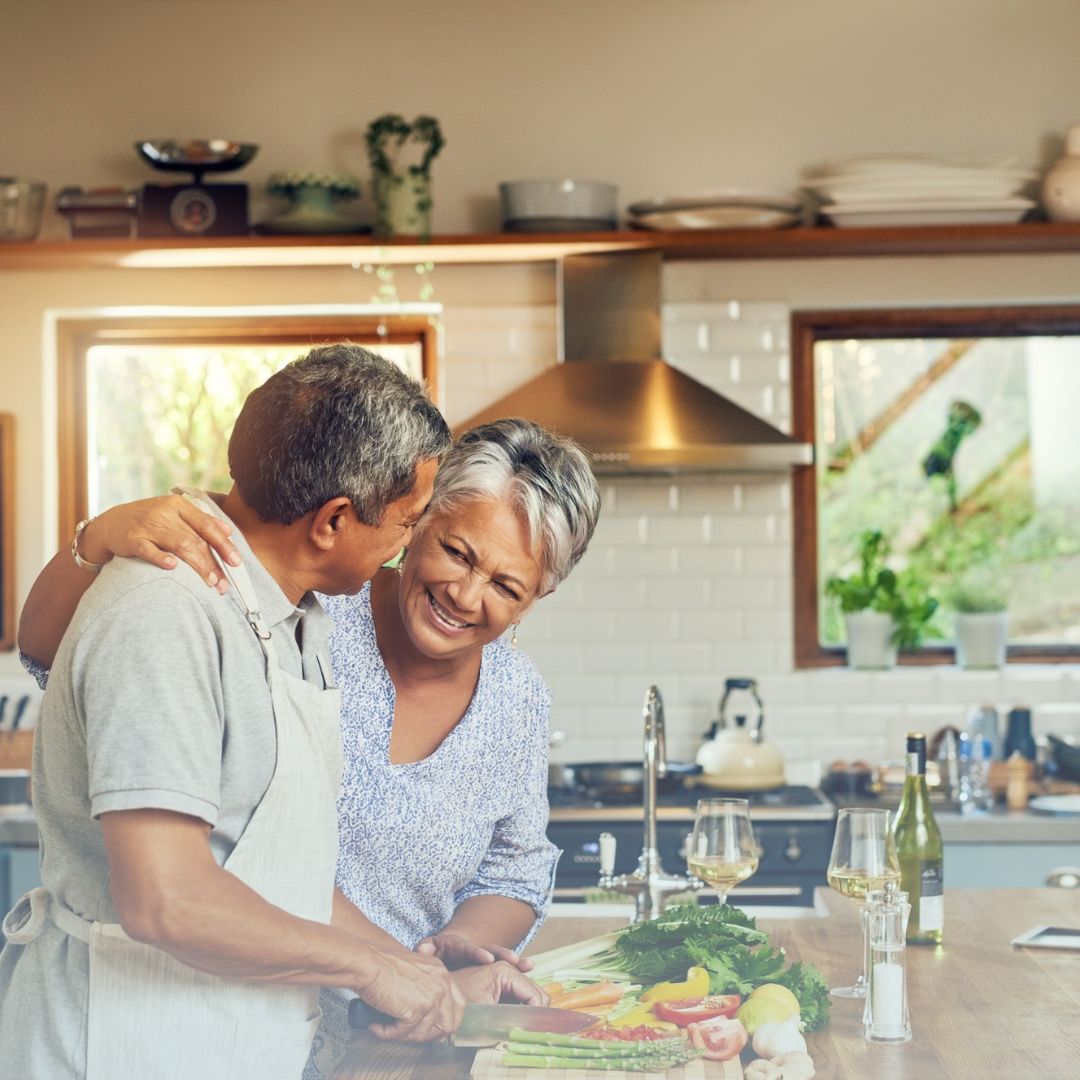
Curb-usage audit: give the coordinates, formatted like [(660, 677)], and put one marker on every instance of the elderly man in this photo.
[(187, 764)]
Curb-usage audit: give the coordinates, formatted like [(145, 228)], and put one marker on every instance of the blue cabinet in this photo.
[(19, 873)]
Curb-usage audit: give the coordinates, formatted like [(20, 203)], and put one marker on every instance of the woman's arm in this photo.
[(482, 930), (156, 530)]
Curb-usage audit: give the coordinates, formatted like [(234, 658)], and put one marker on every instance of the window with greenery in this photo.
[(146, 404), (954, 434)]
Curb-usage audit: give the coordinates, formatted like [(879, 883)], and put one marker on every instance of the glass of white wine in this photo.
[(722, 851), (863, 858)]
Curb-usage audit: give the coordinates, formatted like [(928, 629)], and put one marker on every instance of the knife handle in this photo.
[(361, 1015)]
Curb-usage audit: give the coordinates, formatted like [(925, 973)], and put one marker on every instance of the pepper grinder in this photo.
[(887, 1011)]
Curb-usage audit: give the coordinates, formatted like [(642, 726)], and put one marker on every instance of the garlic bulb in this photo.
[(778, 1038)]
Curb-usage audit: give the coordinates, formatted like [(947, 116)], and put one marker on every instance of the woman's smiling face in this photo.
[(469, 573)]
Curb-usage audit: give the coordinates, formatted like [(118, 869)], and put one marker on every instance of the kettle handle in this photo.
[(751, 686)]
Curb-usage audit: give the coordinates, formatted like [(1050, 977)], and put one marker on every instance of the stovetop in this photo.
[(790, 803)]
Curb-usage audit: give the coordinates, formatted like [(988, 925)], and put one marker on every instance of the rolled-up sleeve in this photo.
[(39, 671), (520, 861)]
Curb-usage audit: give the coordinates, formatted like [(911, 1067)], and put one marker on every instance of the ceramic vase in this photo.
[(403, 205), (870, 645), (981, 639), (1061, 185)]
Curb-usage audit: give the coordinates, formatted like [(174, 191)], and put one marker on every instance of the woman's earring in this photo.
[(401, 561), (513, 638)]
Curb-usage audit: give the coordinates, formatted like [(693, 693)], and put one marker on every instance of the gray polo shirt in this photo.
[(157, 699)]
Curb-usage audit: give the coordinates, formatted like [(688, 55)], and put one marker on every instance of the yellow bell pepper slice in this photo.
[(645, 1016), (696, 985)]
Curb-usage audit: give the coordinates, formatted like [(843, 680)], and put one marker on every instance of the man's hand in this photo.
[(489, 984), (457, 951), (419, 991)]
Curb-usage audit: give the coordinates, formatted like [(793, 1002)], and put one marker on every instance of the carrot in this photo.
[(553, 989), (605, 993)]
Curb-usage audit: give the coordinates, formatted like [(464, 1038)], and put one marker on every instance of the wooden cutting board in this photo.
[(488, 1066)]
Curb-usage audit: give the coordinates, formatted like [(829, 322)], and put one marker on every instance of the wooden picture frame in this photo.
[(7, 531), (76, 336), (810, 327)]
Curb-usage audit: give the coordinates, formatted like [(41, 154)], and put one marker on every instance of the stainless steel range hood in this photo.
[(611, 391)]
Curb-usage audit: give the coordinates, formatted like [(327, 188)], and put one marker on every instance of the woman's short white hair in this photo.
[(546, 477)]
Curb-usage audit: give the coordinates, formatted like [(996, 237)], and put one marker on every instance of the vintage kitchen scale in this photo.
[(195, 209)]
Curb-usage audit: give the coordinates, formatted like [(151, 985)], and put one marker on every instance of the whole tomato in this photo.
[(688, 1011)]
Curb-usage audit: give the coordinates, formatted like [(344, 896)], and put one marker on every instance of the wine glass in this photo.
[(722, 851), (863, 858)]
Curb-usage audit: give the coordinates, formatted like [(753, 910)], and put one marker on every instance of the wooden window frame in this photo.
[(7, 532), (810, 327), (76, 336)]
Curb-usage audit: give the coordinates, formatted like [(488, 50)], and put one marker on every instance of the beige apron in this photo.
[(154, 1018)]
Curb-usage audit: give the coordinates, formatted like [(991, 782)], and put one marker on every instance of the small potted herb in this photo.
[(883, 610), (403, 200), (982, 622)]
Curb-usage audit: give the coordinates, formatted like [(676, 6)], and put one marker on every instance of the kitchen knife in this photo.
[(485, 1025), (18, 715)]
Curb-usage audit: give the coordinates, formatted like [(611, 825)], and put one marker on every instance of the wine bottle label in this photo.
[(916, 763), (931, 898)]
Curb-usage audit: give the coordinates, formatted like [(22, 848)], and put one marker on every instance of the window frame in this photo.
[(74, 337), (810, 327)]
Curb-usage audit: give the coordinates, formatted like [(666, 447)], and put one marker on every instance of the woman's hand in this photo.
[(456, 951), (159, 530), (489, 984)]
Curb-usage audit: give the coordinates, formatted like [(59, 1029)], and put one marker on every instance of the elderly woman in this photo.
[(443, 806)]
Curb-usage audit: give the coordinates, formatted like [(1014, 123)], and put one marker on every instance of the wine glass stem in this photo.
[(864, 919), (721, 896)]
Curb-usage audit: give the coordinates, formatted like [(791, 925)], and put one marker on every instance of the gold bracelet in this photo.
[(80, 562)]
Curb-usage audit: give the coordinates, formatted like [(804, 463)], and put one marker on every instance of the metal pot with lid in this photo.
[(736, 757)]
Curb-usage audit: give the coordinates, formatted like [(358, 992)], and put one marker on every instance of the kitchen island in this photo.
[(980, 1009)]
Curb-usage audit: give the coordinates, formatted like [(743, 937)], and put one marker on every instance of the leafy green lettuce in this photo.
[(726, 941)]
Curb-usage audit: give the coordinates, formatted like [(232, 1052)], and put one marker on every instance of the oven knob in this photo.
[(760, 849), (684, 851), (793, 853)]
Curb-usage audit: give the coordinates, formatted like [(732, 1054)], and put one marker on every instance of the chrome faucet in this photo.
[(648, 884)]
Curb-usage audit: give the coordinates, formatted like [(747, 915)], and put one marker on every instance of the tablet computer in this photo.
[(1049, 937)]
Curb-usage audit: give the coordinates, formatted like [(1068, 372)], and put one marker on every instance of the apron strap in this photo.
[(236, 575)]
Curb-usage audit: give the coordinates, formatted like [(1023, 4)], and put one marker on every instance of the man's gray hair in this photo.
[(338, 421), (545, 477)]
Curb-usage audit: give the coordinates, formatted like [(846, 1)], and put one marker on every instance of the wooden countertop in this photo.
[(980, 1009)]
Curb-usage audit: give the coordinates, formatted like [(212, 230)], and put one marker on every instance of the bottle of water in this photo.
[(976, 753)]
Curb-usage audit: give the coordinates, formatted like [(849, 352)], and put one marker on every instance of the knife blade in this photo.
[(487, 1024)]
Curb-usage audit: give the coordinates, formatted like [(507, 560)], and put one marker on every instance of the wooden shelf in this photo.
[(799, 243)]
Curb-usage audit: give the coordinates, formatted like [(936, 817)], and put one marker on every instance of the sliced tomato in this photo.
[(721, 1038), (688, 1011)]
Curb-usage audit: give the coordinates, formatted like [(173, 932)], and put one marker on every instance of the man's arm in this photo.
[(169, 892)]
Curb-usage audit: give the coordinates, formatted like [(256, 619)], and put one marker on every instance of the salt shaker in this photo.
[(887, 1012)]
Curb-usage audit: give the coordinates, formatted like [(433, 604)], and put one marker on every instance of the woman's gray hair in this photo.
[(546, 478), (338, 421)]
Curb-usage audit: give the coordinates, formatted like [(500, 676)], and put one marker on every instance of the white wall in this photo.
[(654, 96)]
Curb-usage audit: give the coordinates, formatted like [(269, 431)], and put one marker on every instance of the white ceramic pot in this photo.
[(869, 635), (981, 639), (1061, 185)]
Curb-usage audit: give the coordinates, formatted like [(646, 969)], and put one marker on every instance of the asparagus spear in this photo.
[(544, 1038), (590, 1052), (649, 1063)]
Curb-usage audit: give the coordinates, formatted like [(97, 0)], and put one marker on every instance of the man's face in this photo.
[(361, 549)]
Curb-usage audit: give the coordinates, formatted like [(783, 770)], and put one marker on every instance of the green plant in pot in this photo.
[(982, 620), (403, 200), (313, 202), (883, 610)]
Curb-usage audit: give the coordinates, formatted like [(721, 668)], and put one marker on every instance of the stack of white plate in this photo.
[(728, 208), (920, 190)]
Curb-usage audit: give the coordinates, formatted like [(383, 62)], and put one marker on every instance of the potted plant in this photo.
[(402, 197), (883, 610), (982, 623)]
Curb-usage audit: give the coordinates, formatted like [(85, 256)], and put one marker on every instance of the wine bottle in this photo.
[(918, 845)]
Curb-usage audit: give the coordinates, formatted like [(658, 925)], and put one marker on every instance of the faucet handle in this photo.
[(607, 854)]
